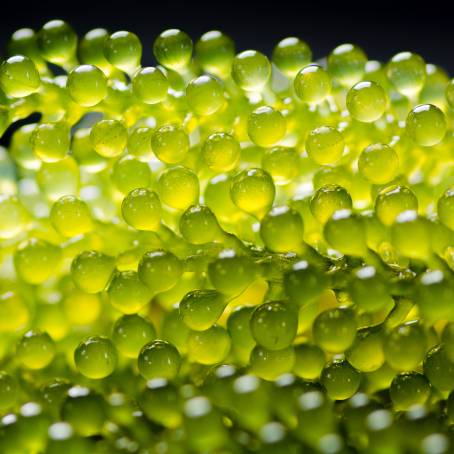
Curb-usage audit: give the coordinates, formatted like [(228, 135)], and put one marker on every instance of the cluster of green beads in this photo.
[(223, 253)]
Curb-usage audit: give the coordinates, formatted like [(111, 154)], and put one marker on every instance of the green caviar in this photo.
[(426, 125), (378, 163), (253, 191), (340, 379), (159, 359), (266, 126), (325, 145), (127, 293), (150, 85), (198, 225), (214, 52), (327, 200), (141, 209), (392, 201), (96, 357), (109, 138), (159, 270), (221, 152), (205, 95), (170, 144), (408, 390), (87, 85), (91, 49), (271, 364), (334, 330), (173, 49), (130, 333), (71, 216), (36, 260), (273, 325), (312, 84), (251, 70), (91, 271), (366, 101), (282, 230), (282, 163), (19, 77), (346, 64), (129, 173), (291, 54), (50, 141), (35, 350), (407, 73), (57, 42), (123, 50), (238, 325), (366, 353), (178, 187), (209, 347), (309, 361)]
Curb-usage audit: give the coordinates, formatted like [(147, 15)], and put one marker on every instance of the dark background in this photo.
[(382, 28)]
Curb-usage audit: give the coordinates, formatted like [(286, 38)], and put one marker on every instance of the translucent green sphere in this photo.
[(274, 325), (309, 361), (251, 70), (51, 141), (13, 216), (221, 152), (271, 364), (178, 187), (159, 359), (141, 209), (109, 138), (19, 77), (57, 42), (35, 350), (392, 201), (198, 225), (407, 73), (205, 95), (123, 50), (170, 144), (87, 85), (127, 293), (253, 191), (129, 173), (91, 271), (209, 347), (346, 64), (291, 54), (409, 389), (266, 126), (150, 85), (340, 380), (71, 216), (327, 200), (173, 49), (96, 357), (312, 84), (325, 145), (366, 101), (426, 125), (378, 163), (282, 163)]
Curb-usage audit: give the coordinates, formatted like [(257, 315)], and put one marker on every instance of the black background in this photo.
[(381, 28)]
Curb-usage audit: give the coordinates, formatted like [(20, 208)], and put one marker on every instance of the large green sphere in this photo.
[(19, 77), (96, 357), (159, 359)]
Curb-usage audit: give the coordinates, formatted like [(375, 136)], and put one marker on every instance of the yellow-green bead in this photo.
[(139, 143), (282, 230), (87, 85), (96, 357), (282, 163), (445, 208), (178, 187), (327, 200), (123, 50), (36, 260), (150, 85), (19, 77), (392, 201), (253, 191), (312, 84), (266, 126), (170, 144), (127, 293), (91, 49), (70, 216), (366, 101), (198, 225), (159, 359), (407, 73), (409, 389), (366, 353), (426, 125), (290, 55), (209, 347), (340, 380), (251, 70), (309, 361), (141, 209), (51, 141), (35, 350), (325, 145), (221, 152), (271, 364), (205, 95), (129, 173), (57, 42), (109, 138), (173, 49), (13, 216), (214, 52), (347, 64), (378, 163)]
